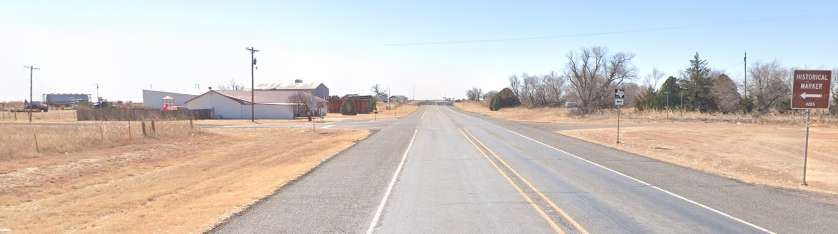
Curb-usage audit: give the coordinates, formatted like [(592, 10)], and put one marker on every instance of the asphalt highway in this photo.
[(441, 170)]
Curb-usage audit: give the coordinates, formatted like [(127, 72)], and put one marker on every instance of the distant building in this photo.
[(66, 99), (269, 104), (154, 99), (398, 99), (316, 89)]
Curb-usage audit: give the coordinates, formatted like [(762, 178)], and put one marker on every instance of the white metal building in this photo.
[(270, 104), (316, 89), (154, 99)]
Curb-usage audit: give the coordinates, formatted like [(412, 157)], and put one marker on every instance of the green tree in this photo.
[(669, 95), (697, 85), (646, 100)]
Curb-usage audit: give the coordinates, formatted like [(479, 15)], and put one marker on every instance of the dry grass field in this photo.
[(755, 153), (51, 116), (764, 149), (23, 140), (176, 183), (395, 113)]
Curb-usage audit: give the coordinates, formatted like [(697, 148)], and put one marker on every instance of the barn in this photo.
[(270, 104)]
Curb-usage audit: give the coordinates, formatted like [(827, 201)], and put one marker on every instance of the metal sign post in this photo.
[(619, 100), (810, 91)]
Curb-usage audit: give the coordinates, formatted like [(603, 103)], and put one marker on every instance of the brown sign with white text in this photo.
[(811, 89)]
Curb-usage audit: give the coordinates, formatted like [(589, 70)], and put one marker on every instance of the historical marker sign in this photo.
[(811, 89), (619, 97)]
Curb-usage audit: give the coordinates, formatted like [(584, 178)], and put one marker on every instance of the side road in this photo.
[(337, 197)]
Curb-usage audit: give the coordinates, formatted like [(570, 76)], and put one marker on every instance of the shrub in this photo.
[(504, 98), (348, 107)]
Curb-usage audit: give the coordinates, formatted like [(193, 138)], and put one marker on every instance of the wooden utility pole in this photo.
[(746, 74), (31, 68), (252, 83)]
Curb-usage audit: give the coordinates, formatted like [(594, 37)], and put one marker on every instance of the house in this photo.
[(270, 104), (154, 99), (316, 89)]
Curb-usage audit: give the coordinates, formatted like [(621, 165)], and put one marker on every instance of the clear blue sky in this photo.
[(127, 46)]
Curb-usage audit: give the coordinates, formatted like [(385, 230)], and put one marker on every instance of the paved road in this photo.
[(444, 171)]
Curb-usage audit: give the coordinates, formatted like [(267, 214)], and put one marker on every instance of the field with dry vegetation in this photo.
[(763, 149), (180, 180)]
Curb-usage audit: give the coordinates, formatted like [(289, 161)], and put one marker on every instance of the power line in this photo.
[(573, 35)]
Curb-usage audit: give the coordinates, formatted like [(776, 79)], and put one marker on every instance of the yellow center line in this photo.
[(529, 200), (540, 194)]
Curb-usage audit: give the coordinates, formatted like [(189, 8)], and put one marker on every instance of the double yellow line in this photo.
[(485, 151)]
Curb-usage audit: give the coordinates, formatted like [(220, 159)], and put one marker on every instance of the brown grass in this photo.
[(51, 116), (755, 153), (179, 186), (560, 114), (19, 139)]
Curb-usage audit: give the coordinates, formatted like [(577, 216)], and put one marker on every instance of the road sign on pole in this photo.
[(810, 90), (619, 100), (619, 97)]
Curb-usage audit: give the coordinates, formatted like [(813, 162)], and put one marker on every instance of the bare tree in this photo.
[(769, 84), (379, 93), (231, 85), (554, 86), (474, 94), (592, 74), (528, 90), (307, 105), (652, 79), (515, 85)]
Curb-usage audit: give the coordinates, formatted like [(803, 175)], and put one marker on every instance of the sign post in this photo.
[(619, 100), (810, 90)]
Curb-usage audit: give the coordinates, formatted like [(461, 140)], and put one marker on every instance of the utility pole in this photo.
[(252, 84), (97, 93), (746, 74), (31, 68)]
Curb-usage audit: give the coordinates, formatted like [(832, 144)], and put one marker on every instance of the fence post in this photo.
[(153, 129), (129, 129), (37, 147), (102, 132), (143, 126)]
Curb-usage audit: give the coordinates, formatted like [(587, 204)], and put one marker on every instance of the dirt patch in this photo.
[(179, 186), (755, 153)]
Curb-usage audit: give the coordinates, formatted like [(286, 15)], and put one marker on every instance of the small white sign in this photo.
[(619, 97)]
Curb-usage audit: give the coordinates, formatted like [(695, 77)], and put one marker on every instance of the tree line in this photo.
[(590, 76)]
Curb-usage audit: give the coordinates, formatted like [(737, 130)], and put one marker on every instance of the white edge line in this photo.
[(328, 126), (384, 199), (647, 184)]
